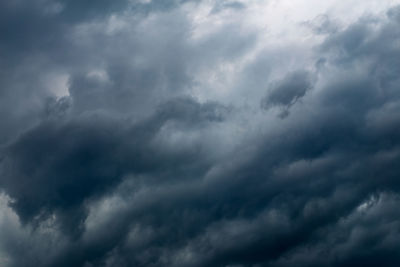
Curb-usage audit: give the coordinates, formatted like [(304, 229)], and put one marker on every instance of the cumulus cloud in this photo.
[(197, 133)]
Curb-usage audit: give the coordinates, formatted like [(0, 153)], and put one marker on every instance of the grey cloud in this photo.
[(127, 170), (322, 24), (58, 165), (72, 40), (288, 91), (367, 236), (224, 5), (394, 13)]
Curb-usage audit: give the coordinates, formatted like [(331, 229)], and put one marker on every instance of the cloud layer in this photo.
[(199, 133)]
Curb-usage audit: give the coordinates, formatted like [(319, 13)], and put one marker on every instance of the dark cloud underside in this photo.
[(124, 141)]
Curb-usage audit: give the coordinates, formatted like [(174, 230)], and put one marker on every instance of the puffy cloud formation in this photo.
[(199, 133)]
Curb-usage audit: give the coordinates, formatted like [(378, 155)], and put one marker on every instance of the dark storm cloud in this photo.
[(288, 91), (58, 165), (42, 39), (128, 70), (128, 171)]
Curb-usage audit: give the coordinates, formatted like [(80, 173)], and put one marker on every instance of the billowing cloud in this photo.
[(288, 91), (199, 133)]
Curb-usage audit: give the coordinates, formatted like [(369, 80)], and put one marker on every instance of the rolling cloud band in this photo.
[(199, 133)]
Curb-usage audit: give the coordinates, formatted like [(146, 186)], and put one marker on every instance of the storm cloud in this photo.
[(199, 133)]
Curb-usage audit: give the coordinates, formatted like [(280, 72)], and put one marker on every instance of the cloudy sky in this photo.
[(192, 133)]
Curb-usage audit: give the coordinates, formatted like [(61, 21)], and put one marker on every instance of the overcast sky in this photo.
[(192, 133)]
